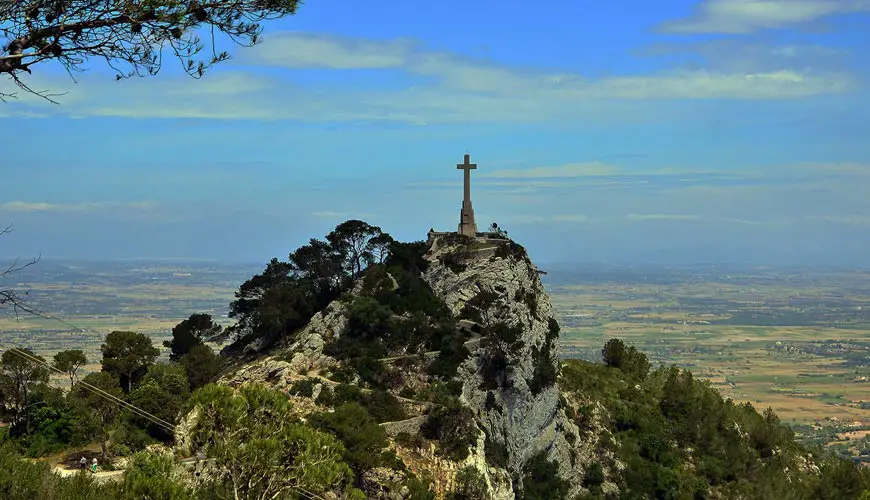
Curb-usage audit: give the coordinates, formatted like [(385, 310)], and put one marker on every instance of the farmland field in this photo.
[(83, 301), (795, 340)]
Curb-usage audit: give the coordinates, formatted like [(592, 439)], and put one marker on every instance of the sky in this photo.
[(620, 132)]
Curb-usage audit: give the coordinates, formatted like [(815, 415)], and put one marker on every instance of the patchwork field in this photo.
[(796, 341)]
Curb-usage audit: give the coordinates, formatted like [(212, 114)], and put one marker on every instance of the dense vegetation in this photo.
[(253, 447), (45, 419), (680, 439), (285, 296), (396, 313)]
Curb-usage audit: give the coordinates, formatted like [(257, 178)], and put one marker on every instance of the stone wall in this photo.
[(410, 426)]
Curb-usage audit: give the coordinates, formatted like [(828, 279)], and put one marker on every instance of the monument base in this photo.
[(469, 230)]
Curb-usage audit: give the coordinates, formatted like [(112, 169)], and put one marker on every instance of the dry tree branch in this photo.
[(14, 298), (129, 35)]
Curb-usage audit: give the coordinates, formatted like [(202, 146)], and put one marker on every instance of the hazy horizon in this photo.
[(555, 266)]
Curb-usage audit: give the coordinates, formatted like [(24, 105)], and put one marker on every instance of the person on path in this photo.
[(94, 466), (83, 463)]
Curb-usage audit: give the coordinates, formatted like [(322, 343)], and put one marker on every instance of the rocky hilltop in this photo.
[(495, 329)]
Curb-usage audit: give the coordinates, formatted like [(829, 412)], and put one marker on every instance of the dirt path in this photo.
[(100, 476), (428, 354)]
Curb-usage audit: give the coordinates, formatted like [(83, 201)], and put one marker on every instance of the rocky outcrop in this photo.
[(509, 381), (299, 354)]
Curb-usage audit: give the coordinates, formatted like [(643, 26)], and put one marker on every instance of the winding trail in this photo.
[(101, 476), (428, 354)]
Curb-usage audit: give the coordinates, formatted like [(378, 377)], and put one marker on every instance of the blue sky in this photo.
[(624, 132)]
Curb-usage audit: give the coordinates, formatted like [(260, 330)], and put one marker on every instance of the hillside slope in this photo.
[(450, 345)]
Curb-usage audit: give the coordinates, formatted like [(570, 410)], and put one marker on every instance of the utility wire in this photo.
[(100, 392), (309, 495)]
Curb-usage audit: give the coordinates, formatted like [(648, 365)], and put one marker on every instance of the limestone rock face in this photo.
[(300, 353), (513, 417)]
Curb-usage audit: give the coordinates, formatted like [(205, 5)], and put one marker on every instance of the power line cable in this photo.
[(100, 392), (148, 416)]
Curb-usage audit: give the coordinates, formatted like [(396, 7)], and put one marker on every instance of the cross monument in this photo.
[(467, 225)]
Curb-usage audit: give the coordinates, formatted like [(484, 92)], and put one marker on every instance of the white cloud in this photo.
[(746, 55), (455, 90), (848, 220), (532, 219), (27, 206), (306, 50), (747, 16), (641, 217), (743, 222), (341, 215), (567, 170)]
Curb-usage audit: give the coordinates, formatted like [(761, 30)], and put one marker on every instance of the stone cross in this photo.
[(467, 226)]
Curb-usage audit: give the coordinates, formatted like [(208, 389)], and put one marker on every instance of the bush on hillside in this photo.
[(364, 439), (453, 427)]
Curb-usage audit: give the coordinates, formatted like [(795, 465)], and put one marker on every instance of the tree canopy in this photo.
[(131, 37), (288, 293), (627, 358), (103, 409), (192, 332), (259, 450), (17, 376), (127, 354), (11, 298), (70, 361)]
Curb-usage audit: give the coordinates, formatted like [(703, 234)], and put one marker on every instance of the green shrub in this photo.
[(511, 249), (442, 393), (508, 335), (494, 369), (490, 403), (531, 301), (383, 406), (419, 489), (468, 484), (473, 308), (326, 396), (304, 387), (409, 440), (455, 260), (593, 475), (133, 437), (408, 256), (545, 373), (361, 435), (541, 480), (552, 330), (453, 427), (453, 353), (496, 453), (152, 476)]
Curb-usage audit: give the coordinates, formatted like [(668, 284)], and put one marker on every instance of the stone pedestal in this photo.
[(467, 226)]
